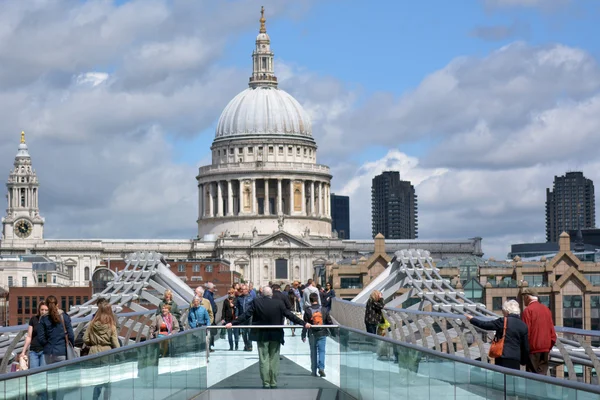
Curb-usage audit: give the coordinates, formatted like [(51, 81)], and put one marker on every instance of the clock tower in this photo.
[(22, 222)]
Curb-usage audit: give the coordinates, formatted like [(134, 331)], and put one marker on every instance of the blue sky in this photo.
[(391, 46)]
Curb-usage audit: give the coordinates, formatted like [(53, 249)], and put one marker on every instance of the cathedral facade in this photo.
[(263, 203)]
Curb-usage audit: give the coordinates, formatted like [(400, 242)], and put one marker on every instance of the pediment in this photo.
[(573, 275), (69, 261), (564, 260), (281, 240)]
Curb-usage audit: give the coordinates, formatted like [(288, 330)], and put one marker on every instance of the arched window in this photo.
[(86, 274), (266, 272), (296, 272)]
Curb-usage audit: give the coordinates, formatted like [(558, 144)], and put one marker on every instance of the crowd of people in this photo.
[(528, 336)]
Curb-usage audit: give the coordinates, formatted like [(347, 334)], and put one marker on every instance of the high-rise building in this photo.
[(340, 215), (570, 205), (393, 207)]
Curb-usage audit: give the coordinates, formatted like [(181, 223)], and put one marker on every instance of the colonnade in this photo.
[(19, 197), (264, 196)]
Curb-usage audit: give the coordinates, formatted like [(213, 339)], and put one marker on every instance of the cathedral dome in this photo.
[(263, 110)]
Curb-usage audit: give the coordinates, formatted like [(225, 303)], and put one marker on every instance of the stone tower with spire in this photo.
[(22, 222)]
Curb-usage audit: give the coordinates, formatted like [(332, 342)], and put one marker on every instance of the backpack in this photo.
[(316, 317)]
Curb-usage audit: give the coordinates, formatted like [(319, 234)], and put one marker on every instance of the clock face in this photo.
[(23, 228)]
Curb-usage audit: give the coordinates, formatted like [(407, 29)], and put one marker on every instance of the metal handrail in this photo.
[(269, 326)]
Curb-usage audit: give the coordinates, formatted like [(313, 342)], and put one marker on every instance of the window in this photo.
[(290, 150), (209, 268), (19, 321), (304, 152), (78, 300), (86, 274), (71, 301), (351, 283), (10, 281), (231, 150), (280, 149), (250, 150), (196, 268), (298, 151), (259, 149), (281, 268), (545, 300), (594, 279), (27, 305), (218, 153), (240, 150), (24, 281), (19, 305), (536, 280), (270, 149), (196, 278), (496, 303), (53, 278), (85, 299), (63, 303), (34, 302), (181, 268), (573, 312)]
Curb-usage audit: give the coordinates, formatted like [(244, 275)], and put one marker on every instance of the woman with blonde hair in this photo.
[(101, 335), (168, 300), (374, 311)]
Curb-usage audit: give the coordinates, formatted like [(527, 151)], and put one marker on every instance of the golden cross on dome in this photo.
[(22, 136), (262, 20)]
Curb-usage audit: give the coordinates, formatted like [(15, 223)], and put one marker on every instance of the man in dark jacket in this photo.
[(317, 337), (542, 335), (279, 295), (209, 295), (267, 311), (243, 303)]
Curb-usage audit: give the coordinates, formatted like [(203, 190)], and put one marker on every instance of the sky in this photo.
[(479, 103)]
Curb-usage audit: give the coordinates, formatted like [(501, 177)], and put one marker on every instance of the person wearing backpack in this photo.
[(316, 315)]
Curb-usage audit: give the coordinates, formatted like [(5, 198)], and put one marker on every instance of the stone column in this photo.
[(229, 198), (312, 198), (219, 199), (291, 200), (320, 199), (200, 201), (211, 202), (266, 202), (279, 197), (328, 200), (303, 197), (254, 208)]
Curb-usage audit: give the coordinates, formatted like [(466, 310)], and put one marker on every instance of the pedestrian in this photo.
[(198, 315), (101, 335), (163, 325), (199, 292), (209, 295), (295, 309), (36, 350), (51, 332), (267, 311), (515, 351), (542, 335), (329, 296), (311, 287), (317, 315), (374, 312), (251, 291), (243, 303), (168, 299), (229, 314)]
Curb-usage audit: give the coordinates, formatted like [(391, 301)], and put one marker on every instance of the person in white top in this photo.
[(310, 288)]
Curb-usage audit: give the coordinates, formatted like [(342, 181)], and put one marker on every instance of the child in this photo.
[(20, 363), (316, 315)]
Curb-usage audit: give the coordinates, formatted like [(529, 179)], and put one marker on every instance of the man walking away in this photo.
[(267, 311), (209, 295), (243, 303), (279, 295), (542, 335), (311, 287), (317, 315)]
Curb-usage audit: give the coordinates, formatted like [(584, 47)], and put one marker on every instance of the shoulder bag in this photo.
[(71, 354), (498, 344)]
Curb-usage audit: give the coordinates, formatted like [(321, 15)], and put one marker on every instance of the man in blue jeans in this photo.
[(316, 315)]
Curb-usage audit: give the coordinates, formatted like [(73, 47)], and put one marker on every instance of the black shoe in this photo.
[(236, 346), (322, 373), (313, 374), (231, 349), (212, 350)]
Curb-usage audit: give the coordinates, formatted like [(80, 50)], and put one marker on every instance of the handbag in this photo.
[(497, 345), (71, 354)]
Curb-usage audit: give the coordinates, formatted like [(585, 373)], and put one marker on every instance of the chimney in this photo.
[(564, 242)]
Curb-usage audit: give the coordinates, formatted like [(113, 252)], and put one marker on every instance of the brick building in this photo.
[(197, 272), (23, 301)]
